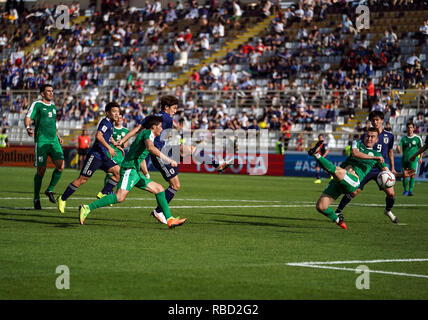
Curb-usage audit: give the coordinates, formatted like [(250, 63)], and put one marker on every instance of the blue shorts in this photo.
[(92, 163), (372, 175), (168, 172)]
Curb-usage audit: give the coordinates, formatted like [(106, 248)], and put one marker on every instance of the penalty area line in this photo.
[(323, 265)]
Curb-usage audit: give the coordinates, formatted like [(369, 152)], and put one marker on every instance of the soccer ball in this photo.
[(385, 179)]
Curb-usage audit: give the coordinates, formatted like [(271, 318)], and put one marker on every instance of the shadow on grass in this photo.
[(265, 224), (264, 217)]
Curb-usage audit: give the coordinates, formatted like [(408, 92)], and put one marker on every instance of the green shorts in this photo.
[(410, 165), (348, 185), (129, 178), (118, 158), (44, 149)]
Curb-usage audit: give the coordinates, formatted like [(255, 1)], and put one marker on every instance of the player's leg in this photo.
[(90, 166), (325, 201), (170, 174), (112, 168), (389, 203), (201, 156), (412, 165), (41, 155), (317, 173), (159, 193), (57, 156), (406, 181)]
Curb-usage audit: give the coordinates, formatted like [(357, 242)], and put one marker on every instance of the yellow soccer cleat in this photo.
[(317, 181), (83, 212), (61, 204), (100, 195)]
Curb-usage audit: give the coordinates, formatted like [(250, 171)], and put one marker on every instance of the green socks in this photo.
[(37, 186), (406, 184), (163, 204), (329, 213), (103, 202), (56, 175), (325, 164), (412, 184)]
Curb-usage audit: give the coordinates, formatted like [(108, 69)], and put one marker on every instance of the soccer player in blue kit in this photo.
[(99, 156), (384, 146), (168, 106)]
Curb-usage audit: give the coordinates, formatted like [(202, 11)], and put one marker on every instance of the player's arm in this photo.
[(130, 134), (27, 122), (99, 137), (144, 169), (420, 151), (59, 137), (156, 152), (391, 160), (360, 155), (405, 174)]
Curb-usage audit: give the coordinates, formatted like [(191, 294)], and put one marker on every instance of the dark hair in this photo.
[(151, 121), (111, 105), (168, 101), (376, 113), (371, 129), (44, 86), (410, 124)]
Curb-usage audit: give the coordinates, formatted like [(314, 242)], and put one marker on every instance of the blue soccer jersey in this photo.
[(166, 124), (384, 143), (106, 127)]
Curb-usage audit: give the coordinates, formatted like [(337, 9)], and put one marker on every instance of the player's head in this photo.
[(112, 110), (154, 123), (169, 104), (119, 120), (371, 137), (376, 118), (410, 128), (84, 132), (321, 137), (46, 91)]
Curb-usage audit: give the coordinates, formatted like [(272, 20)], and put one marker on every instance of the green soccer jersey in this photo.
[(361, 166), (409, 146), (138, 151), (44, 116), (118, 134)]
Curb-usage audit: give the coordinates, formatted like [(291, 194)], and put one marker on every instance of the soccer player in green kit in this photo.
[(347, 177), (47, 142), (130, 175), (408, 146), (118, 133)]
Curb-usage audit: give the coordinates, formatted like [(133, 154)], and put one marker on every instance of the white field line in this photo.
[(286, 204), (322, 265)]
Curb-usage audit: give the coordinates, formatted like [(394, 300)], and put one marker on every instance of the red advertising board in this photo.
[(19, 156), (265, 164)]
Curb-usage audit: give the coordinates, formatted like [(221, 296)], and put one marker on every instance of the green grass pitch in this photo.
[(240, 234)]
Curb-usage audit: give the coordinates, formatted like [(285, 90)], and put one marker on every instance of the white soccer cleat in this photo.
[(159, 216), (391, 216)]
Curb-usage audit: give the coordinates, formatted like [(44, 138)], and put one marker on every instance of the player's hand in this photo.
[(30, 132), (394, 171), (60, 140), (121, 149), (380, 159), (112, 152), (408, 172), (173, 163)]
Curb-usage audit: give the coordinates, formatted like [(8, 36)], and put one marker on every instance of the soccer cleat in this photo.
[(410, 194), (224, 165), (50, 195), (100, 195), (316, 148), (174, 222), (405, 193), (317, 181), (340, 222), (61, 204), (159, 216), (37, 205), (391, 216), (83, 212)]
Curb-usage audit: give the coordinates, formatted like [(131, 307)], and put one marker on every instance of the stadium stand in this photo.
[(294, 67)]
